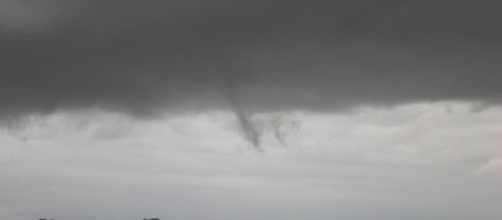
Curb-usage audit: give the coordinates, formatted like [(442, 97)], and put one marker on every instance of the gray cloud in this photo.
[(140, 57)]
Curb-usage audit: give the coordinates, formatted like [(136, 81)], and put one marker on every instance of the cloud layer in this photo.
[(178, 55)]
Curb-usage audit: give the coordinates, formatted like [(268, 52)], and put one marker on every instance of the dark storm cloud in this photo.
[(140, 56)]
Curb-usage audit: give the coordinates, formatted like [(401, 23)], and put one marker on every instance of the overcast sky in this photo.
[(251, 109)]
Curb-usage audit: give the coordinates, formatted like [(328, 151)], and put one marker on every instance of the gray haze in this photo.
[(420, 162), (142, 56)]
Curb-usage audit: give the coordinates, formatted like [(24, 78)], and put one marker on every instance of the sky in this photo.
[(262, 109)]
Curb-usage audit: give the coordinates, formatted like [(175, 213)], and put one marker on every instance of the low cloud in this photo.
[(146, 57)]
